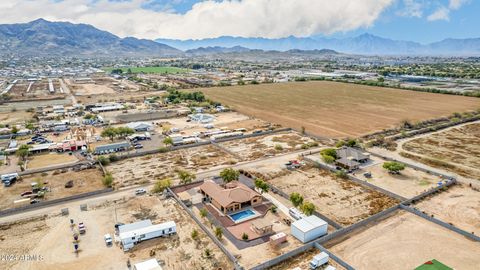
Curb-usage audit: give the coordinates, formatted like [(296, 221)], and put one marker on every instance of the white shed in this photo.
[(151, 264), (309, 228)]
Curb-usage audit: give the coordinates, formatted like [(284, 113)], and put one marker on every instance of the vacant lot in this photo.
[(459, 205), (141, 170), (52, 238), (341, 200), (337, 109), (408, 184), (405, 241), (83, 181), (51, 159), (268, 145), (457, 146)]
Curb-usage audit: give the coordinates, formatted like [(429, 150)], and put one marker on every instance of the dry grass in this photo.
[(337, 109)]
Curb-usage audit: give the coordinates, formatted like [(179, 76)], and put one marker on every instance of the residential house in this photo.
[(233, 197), (351, 158)]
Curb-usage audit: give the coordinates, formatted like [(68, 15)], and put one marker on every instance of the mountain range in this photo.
[(366, 44), (41, 37), (44, 38)]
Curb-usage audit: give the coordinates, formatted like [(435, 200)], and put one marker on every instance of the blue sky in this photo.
[(416, 20), (396, 21)]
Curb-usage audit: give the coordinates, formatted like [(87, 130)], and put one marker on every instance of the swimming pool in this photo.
[(242, 215)]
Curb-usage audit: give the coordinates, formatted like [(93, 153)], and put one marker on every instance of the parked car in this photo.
[(140, 191), (34, 201), (81, 228), (108, 239), (32, 142), (138, 146), (26, 193)]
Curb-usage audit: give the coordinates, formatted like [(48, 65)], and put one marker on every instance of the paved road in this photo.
[(129, 192), (68, 92)]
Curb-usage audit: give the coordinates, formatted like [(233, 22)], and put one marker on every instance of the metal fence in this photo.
[(441, 223), (205, 229), (334, 257), (43, 204), (358, 225), (178, 147), (284, 257)]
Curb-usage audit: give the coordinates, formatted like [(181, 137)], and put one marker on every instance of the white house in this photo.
[(309, 228), (140, 126)]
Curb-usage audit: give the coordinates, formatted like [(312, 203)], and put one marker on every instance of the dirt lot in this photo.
[(126, 96), (52, 238), (459, 205), (38, 90), (150, 168), (7, 118), (457, 146), (341, 200), (268, 145), (337, 109), (101, 86), (408, 184), (405, 241), (303, 261), (83, 181), (51, 159)]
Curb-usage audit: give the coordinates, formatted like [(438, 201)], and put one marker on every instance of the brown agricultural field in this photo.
[(337, 109)]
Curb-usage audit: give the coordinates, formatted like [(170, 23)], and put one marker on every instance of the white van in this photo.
[(295, 213)]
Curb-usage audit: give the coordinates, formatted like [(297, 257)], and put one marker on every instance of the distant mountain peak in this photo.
[(365, 43), (63, 38)]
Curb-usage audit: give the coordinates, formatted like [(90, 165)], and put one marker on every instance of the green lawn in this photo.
[(156, 70)]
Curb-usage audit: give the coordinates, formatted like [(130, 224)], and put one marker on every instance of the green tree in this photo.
[(161, 185), (228, 175), (341, 174), (207, 252), (352, 143), (186, 177), (30, 126), (124, 131), (203, 213), (14, 130), (244, 236), (108, 180), (194, 234), (109, 132), (168, 141), (308, 208), (329, 152), (262, 185), (23, 151), (393, 166), (103, 160), (296, 199), (328, 159), (218, 232)]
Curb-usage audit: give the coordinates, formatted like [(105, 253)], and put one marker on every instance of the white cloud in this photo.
[(456, 4), (248, 18), (412, 8), (442, 13)]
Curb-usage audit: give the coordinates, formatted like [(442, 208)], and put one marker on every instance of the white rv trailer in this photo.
[(132, 237)]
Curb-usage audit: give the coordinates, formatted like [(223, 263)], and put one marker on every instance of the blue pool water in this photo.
[(242, 215)]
